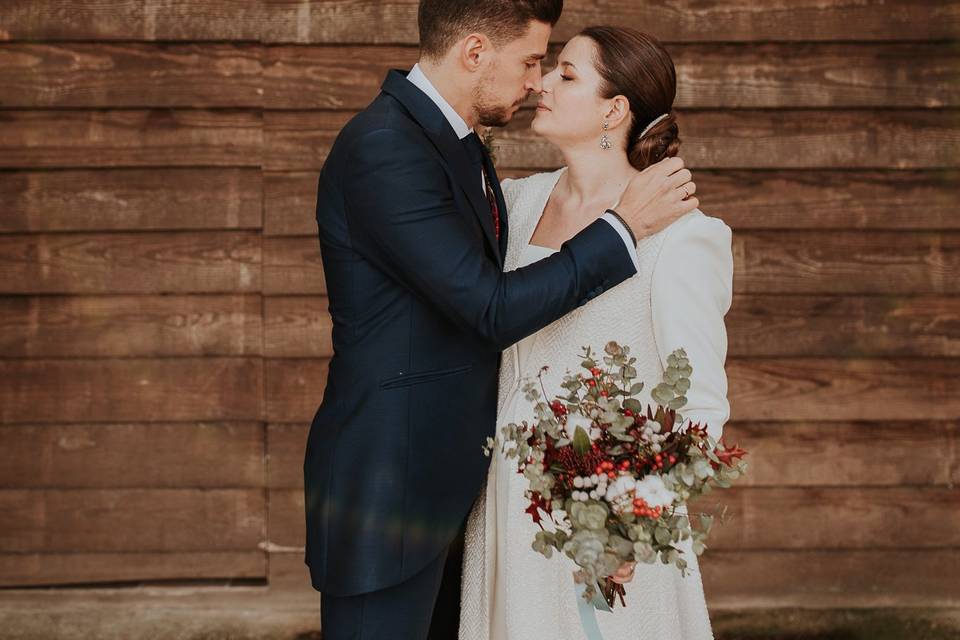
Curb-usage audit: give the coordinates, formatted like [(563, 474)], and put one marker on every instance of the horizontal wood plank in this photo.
[(768, 262), (841, 199), (843, 325), (757, 325), (292, 265), (787, 389), (130, 199), (746, 199), (111, 520), (824, 453), (777, 389), (132, 20), (61, 569), (831, 579), (394, 21), (289, 203), (771, 518), (818, 453), (286, 446), (732, 139), (297, 327), (846, 262), (293, 388), (780, 139), (130, 75), (132, 455), (129, 138), (768, 75), (131, 390), (125, 326), (157, 262)]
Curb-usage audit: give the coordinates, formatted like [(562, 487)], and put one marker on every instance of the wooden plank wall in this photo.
[(164, 329)]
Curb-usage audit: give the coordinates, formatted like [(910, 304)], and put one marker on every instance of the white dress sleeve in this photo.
[(691, 292)]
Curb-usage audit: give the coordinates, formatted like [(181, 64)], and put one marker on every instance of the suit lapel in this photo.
[(443, 137)]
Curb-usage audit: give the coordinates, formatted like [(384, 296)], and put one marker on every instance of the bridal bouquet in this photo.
[(610, 476)]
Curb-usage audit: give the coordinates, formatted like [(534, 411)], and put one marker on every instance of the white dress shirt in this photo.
[(460, 127)]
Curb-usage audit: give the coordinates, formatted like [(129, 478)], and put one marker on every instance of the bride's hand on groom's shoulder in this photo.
[(657, 196)]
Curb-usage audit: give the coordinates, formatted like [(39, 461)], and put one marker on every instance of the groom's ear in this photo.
[(474, 50)]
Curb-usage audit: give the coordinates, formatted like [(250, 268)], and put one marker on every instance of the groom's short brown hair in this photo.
[(443, 22)]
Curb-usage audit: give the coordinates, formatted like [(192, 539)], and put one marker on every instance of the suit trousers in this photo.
[(424, 607)]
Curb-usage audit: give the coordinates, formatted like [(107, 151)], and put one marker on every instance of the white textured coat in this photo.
[(678, 299)]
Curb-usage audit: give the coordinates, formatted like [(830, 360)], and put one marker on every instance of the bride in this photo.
[(607, 107)]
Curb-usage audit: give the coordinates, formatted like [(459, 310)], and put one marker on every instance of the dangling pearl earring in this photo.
[(605, 139)]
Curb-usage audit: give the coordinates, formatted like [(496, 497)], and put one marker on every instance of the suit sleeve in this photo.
[(403, 218), (691, 292)]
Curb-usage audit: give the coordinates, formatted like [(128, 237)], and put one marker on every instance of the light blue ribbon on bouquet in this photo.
[(588, 610)]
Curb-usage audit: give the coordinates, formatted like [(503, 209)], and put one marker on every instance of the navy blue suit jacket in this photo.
[(421, 310)]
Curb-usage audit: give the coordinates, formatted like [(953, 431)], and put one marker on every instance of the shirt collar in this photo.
[(419, 80)]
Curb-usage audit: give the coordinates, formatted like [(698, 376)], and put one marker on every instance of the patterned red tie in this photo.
[(476, 151)]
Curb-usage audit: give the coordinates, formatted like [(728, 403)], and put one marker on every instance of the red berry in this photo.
[(628, 413), (612, 474), (604, 394), (591, 382)]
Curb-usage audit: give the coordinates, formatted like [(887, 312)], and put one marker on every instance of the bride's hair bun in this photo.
[(661, 141), (635, 65)]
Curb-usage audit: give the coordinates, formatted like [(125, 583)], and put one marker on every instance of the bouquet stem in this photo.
[(611, 590)]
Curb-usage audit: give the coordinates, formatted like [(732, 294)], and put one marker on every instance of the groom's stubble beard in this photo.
[(490, 114)]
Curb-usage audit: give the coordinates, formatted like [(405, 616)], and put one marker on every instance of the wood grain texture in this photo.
[(846, 262), (771, 518), (782, 139), (297, 327), (815, 453), (132, 455), (843, 325), (805, 389), (770, 262), (125, 326), (131, 390), (130, 199), (159, 262), (293, 388), (825, 453), (290, 203), (893, 199), (130, 75), (831, 579), (764, 199), (394, 21), (733, 139), (780, 389), (768, 75), (131, 20), (60, 569), (757, 325), (286, 446), (292, 265), (133, 520), (129, 138)]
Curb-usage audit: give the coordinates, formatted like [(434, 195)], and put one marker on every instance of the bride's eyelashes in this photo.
[(565, 78)]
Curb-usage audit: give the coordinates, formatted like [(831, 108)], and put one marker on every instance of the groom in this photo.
[(413, 229)]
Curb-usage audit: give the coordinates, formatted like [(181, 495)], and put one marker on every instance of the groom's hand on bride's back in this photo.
[(657, 196)]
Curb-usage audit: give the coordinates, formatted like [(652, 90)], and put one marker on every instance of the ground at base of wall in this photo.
[(259, 614), (837, 624)]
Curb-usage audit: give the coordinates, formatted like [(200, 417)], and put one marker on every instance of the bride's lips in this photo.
[(541, 107)]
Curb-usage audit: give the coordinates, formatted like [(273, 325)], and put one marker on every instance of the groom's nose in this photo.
[(534, 83)]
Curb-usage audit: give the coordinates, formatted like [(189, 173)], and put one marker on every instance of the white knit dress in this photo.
[(678, 299)]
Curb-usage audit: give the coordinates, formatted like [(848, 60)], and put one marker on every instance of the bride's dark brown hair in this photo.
[(635, 65)]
